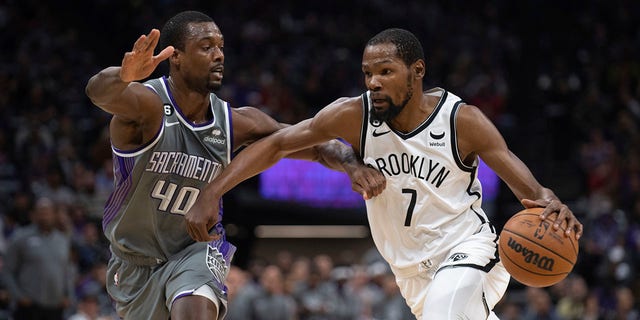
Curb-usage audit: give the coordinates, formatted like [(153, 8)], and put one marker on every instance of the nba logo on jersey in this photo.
[(457, 256)]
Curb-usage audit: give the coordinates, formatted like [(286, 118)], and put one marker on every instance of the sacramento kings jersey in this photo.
[(432, 200), (156, 184)]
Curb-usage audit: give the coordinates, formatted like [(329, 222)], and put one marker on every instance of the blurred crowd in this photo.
[(561, 80)]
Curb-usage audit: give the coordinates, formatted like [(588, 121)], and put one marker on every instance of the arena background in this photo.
[(560, 79)]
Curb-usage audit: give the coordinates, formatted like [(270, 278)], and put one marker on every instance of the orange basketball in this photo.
[(533, 252)]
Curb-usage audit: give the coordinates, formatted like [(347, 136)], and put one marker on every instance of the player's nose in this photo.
[(374, 84)]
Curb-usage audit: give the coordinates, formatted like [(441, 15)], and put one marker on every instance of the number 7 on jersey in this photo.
[(412, 205)]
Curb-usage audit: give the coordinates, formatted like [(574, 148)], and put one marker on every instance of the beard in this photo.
[(214, 86), (392, 111)]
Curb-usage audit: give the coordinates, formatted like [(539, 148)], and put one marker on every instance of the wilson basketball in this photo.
[(533, 252)]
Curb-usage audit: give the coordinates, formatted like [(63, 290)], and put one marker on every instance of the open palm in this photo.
[(140, 62)]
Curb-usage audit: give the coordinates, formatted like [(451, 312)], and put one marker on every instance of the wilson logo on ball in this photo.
[(530, 256)]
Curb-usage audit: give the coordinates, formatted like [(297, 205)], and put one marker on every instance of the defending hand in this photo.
[(140, 62)]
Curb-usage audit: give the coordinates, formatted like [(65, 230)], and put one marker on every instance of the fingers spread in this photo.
[(152, 40), (140, 44), (164, 54)]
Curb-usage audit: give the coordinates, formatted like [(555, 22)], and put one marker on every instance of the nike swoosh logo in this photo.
[(436, 136), (170, 124), (377, 134)]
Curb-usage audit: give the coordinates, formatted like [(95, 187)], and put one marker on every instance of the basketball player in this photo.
[(428, 222), (171, 136)]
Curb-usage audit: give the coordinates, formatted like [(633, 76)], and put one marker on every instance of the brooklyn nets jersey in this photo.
[(432, 200), (156, 184)]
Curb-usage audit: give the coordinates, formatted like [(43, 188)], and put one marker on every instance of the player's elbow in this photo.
[(90, 89), (315, 154), (95, 91), (268, 148)]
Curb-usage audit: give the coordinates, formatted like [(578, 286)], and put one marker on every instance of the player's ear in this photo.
[(174, 59), (419, 68)]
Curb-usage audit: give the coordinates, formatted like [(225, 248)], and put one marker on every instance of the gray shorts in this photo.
[(147, 292)]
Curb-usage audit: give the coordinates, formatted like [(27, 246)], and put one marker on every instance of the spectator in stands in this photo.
[(272, 303), (37, 265)]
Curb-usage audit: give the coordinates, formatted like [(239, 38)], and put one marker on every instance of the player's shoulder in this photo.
[(345, 104), (344, 107), (468, 112), (253, 119), (245, 110), (348, 101)]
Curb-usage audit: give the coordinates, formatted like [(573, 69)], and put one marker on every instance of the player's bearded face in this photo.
[(394, 109)]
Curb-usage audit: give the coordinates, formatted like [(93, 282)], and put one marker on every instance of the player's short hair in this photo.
[(175, 30), (408, 47)]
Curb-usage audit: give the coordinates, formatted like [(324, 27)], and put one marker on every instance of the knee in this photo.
[(459, 297), (193, 308)]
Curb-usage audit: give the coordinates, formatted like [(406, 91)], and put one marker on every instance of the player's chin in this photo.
[(214, 85), (380, 105)]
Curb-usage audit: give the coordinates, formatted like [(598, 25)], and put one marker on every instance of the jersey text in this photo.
[(185, 165), (417, 166)]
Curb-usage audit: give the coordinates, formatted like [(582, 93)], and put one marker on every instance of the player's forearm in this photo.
[(337, 156), (105, 86)]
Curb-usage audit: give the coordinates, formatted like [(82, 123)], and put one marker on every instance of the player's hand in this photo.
[(366, 181), (140, 62), (564, 213), (201, 217)]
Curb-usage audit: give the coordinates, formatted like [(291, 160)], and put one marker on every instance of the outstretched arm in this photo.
[(328, 124), (254, 159), (479, 137), (250, 124), (109, 89), (136, 110)]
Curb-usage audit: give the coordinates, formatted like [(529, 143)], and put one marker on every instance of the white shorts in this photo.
[(464, 283)]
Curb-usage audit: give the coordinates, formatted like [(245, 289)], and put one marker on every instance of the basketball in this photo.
[(533, 252)]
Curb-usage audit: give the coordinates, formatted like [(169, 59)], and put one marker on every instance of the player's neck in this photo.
[(413, 114), (194, 105)]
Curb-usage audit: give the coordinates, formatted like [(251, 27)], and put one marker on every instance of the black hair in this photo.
[(174, 31), (408, 47)]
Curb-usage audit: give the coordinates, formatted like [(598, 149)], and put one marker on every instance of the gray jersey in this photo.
[(156, 184)]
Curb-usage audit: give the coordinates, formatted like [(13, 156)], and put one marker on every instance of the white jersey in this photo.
[(432, 200)]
